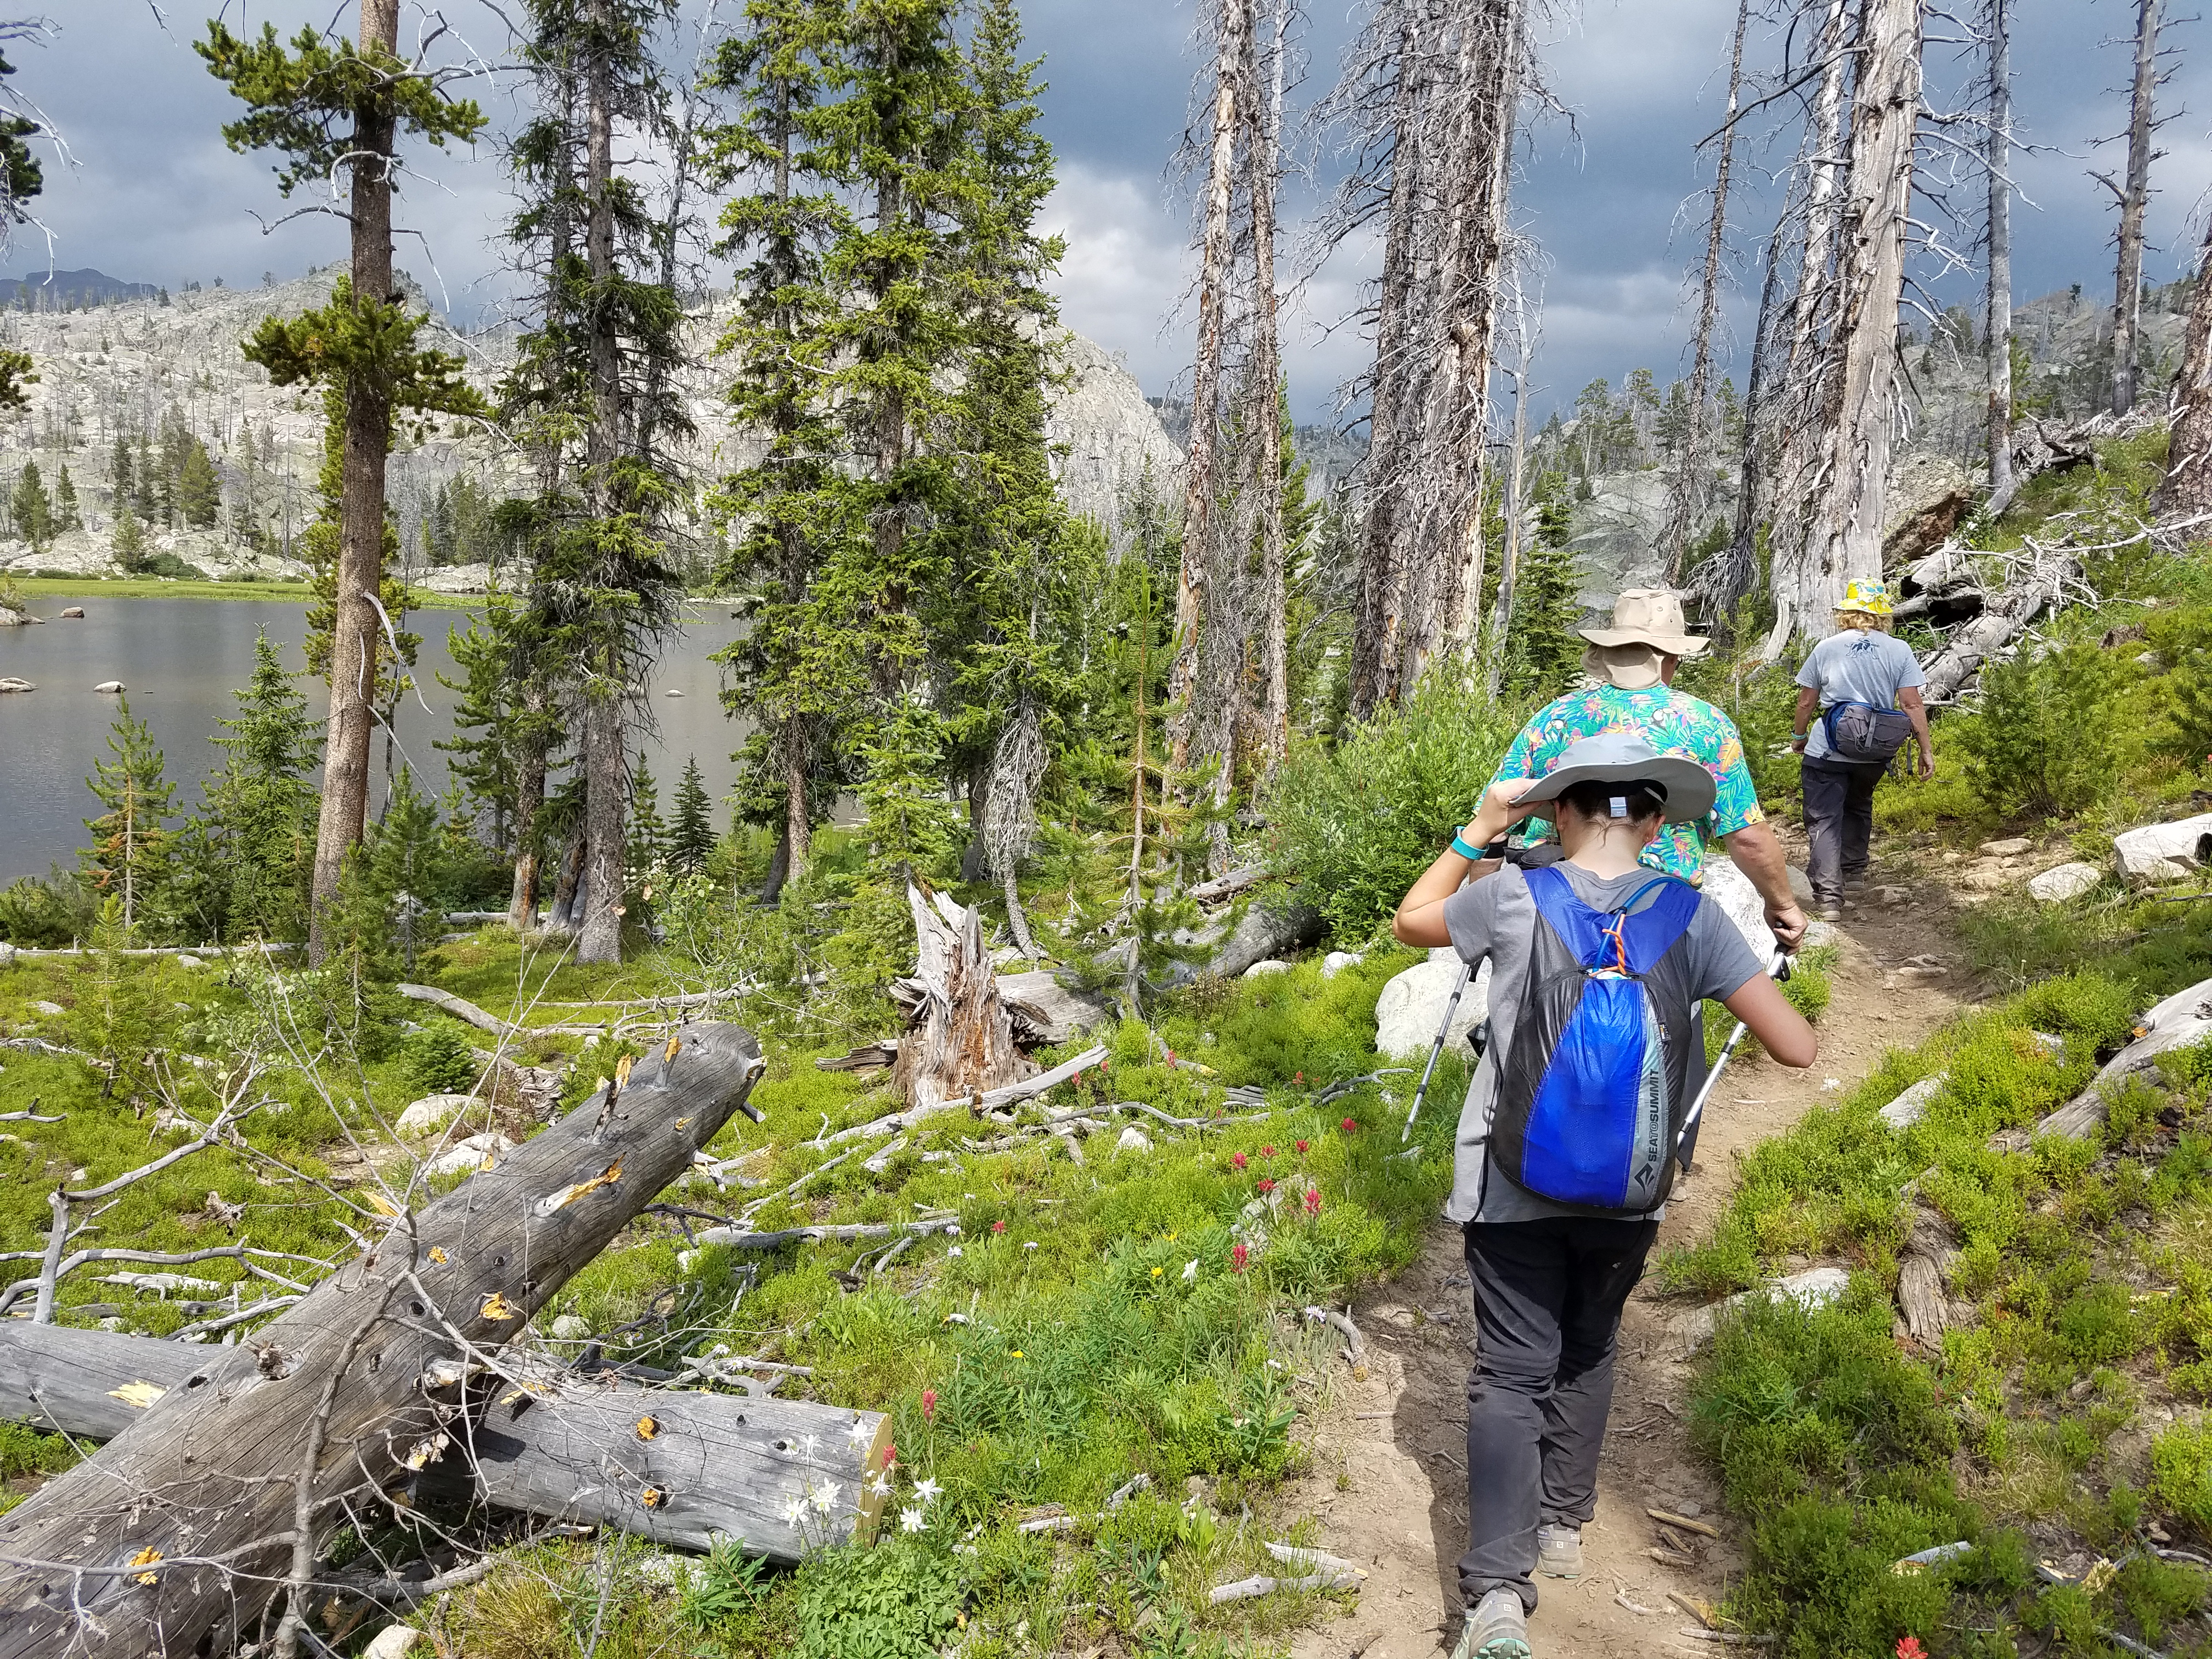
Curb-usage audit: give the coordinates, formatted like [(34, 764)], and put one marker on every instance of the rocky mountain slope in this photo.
[(129, 367)]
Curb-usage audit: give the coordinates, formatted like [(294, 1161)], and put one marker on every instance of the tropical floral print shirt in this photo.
[(1674, 723)]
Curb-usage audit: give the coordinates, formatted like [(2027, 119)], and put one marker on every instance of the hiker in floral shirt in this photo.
[(1635, 660)]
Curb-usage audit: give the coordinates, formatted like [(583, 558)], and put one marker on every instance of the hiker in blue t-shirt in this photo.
[(1860, 664), (1596, 964)]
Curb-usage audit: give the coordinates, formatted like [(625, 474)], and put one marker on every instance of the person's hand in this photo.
[(1798, 743), (1787, 923), (1496, 814), (1926, 768)]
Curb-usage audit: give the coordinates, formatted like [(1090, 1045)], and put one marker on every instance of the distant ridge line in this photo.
[(51, 289)]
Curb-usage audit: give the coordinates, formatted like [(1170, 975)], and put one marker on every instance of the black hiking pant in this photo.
[(1839, 820), (1547, 1300)]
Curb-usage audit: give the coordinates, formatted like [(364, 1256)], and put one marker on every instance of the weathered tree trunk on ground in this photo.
[(961, 1043), (1997, 312), (727, 1464), (1199, 533), (602, 751), (2127, 285), (2036, 583), (221, 1493), (1692, 482), (2188, 486), (1846, 541), (356, 615)]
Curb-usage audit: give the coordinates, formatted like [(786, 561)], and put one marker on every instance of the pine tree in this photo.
[(66, 515), (130, 540), (691, 834), (789, 673), (648, 836), (33, 512), (198, 491), (260, 815), (490, 717), (1544, 652), (118, 473), (397, 881), (130, 858)]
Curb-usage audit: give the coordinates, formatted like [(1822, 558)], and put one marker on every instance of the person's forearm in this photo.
[(1757, 854), (1808, 702)]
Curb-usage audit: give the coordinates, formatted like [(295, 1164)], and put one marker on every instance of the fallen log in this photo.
[(2035, 585), (484, 1020), (176, 1536), (567, 1449)]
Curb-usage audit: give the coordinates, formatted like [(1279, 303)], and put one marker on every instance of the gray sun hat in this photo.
[(1621, 758)]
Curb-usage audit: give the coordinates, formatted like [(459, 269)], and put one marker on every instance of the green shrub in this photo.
[(439, 1059), (2181, 1470), (1354, 825), (40, 914), (2024, 749)]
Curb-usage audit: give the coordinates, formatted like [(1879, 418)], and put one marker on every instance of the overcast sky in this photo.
[(155, 196)]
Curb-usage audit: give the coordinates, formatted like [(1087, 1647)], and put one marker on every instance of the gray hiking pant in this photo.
[(1547, 1300), (1839, 820)]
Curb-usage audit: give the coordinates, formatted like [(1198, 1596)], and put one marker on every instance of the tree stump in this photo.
[(961, 1040)]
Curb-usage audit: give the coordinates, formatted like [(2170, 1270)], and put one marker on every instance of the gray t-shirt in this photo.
[(1854, 668), (1496, 918)]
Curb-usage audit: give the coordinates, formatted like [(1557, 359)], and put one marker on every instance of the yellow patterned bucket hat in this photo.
[(1873, 598)]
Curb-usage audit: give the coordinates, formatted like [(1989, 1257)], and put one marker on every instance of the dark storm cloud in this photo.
[(155, 195)]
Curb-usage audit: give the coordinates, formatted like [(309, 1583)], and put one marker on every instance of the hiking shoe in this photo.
[(1830, 912), (1559, 1552), (1495, 1629)]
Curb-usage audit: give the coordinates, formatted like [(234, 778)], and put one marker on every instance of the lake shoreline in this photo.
[(162, 587)]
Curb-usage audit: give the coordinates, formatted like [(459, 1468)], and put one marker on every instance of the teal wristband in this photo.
[(1460, 847)]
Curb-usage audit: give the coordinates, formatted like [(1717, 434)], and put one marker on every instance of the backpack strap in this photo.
[(1628, 938)]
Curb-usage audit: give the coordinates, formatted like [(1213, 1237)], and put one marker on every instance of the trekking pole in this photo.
[(1437, 1049), (1777, 970)]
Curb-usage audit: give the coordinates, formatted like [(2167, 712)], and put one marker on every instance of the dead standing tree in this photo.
[(176, 1536), (2188, 486), (1691, 494), (2133, 198), (1844, 542), (1997, 330)]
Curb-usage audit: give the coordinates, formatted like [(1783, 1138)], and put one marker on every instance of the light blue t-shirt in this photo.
[(1854, 668)]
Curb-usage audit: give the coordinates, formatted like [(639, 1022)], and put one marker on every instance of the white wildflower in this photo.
[(878, 1486), (927, 1490), (1031, 1245), (859, 1432), (1190, 1270), (910, 1521), (809, 1442), (825, 1495), (794, 1511), (954, 1251)]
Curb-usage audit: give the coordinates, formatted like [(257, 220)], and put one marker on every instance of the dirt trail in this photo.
[(1398, 1439)]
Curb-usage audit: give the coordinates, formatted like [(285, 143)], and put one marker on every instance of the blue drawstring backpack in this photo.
[(1594, 1088)]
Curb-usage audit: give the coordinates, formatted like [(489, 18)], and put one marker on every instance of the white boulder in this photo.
[(469, 1156), (2164, 852), (11, 682), (1411, 1005), (1133, 1139), (2010, 848), (1730, 888), (2182, 1019), (1816, 1287), (186, 959), (432, 1113), (393, 1642), (2065, 882), (1266, 966), (570, 1329), (1800, 884), (1909, 1108), (110, 687), (51, 1010), (1337, 961)]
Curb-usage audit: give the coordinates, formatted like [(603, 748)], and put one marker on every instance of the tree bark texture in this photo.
[(529, 807), (604, 757), (355, 629), (961, 1042), (2127, 286), (1199, 532), (1997, 314), (1846, 544), (1516, 511), (1382, 570), (199, 1497), (2188, 486), (730, 1464)]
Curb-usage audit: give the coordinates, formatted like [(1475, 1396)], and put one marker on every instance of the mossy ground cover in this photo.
[(1138, 1313)]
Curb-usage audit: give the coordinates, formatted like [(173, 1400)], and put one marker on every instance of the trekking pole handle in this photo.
[(1777, 969)]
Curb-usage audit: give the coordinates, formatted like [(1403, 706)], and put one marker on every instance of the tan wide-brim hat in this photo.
[(1652, 616)]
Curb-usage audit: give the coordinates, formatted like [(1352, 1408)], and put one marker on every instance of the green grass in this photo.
[(155, 587)]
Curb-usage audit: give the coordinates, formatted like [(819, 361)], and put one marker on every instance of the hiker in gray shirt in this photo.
[(1860, 666)]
